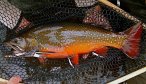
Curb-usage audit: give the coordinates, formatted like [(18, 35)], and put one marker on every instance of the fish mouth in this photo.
[(17, 50)]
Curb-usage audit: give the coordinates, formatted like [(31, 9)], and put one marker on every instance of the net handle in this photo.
[(122, 12), (128, 76)]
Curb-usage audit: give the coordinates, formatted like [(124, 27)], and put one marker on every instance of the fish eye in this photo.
[(15, 41)]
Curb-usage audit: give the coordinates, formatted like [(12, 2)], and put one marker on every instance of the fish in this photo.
[(70, 40)]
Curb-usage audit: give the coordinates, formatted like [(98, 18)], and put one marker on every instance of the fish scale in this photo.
[(69, 33), (72, 39)]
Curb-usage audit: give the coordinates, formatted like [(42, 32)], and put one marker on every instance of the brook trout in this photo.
[(71, 39)]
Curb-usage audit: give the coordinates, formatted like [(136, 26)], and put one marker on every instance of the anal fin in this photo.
[(75, 59), (102, 51)]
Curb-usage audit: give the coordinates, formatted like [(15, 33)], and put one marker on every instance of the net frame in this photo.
[(122, 12)]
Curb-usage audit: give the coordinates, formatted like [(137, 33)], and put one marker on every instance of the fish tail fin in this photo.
[(131, 46)]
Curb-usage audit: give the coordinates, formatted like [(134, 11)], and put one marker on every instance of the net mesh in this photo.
[(91, 70)]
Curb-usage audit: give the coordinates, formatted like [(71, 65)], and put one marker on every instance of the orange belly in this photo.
[(78, 48)]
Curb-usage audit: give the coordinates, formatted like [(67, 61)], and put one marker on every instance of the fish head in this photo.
[(21, 42), (17, 44)]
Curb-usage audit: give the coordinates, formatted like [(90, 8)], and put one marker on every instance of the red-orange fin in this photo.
[(75, 59), (102, 51), (42, 60), (131, 46)]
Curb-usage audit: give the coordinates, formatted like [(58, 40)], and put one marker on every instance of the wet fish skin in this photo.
[(71, 39)]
